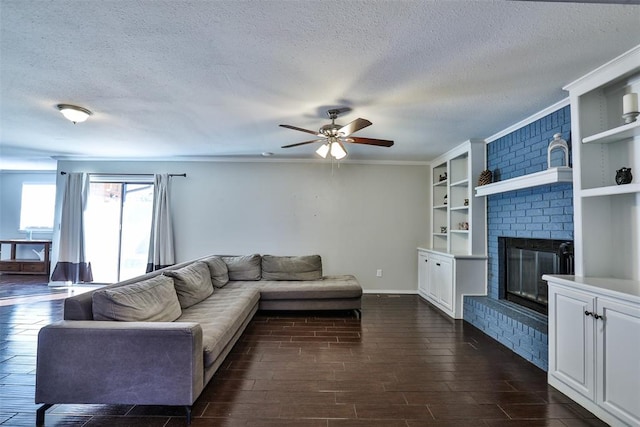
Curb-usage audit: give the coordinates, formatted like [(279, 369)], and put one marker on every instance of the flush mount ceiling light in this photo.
[(74, 113)]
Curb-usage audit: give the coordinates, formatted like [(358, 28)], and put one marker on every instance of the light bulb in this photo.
[(323, 151), (338, 151)]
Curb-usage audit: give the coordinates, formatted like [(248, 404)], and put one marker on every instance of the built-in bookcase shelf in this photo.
[(630, 130), (611, 190)]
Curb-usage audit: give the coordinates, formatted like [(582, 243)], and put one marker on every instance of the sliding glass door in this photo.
[(118, 226)]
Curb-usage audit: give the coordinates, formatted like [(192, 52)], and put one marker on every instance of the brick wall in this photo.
[(539, 212)]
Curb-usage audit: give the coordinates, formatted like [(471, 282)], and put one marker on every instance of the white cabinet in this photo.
[(594, 345), (444, 279), (606, 215)]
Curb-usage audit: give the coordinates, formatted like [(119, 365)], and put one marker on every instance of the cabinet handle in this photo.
[(438, 264), (426, 260), (595, 315)]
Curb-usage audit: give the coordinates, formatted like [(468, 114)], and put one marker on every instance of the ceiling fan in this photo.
[(333, 136)]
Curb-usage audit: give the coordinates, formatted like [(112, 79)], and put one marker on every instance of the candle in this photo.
[(630, 103)]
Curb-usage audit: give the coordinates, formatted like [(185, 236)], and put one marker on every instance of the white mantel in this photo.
[(561, 174)]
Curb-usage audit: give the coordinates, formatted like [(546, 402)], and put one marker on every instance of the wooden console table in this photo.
[(25, 266)]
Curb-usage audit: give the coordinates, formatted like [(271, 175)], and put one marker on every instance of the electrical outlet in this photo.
[(379, 273)]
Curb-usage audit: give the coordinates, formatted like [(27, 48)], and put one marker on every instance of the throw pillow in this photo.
[(219, 271), (192, 283), (307, 267), (151, 300), (246, 267)]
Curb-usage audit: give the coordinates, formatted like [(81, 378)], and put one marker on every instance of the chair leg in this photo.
[(188, 411), (358, 313), (40, 413)]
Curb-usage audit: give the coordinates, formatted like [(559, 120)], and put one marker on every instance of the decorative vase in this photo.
[(623, 176), (561, 144)]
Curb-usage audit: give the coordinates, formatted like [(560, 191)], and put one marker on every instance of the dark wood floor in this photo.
[(404, 364)]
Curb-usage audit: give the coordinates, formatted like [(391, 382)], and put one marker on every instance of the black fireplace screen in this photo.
[(523, 262)]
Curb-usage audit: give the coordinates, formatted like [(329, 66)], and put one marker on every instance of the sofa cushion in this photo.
[(291, 267), (151, 300), (192, 283), (221, 316), (327, 288), (219, 271), (246, 267)]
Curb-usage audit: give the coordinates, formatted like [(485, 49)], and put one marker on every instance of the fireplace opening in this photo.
[(522, 262)]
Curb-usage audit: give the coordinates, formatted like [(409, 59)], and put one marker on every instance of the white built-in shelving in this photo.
[(594, 316), (454, 264), (458, 220), (606, 215)]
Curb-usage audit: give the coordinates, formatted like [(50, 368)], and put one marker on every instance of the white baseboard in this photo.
[(390, 291)]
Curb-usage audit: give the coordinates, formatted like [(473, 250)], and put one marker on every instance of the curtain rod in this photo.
[(133, 174)]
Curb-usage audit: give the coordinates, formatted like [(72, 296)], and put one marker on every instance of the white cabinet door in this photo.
[(423, 273), (571, 339), (618, 351), (441, 288), (444, 268), (432, 291)]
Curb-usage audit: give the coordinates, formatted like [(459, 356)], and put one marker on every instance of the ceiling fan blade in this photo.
[(303, 143), (312, 132), (370, 141), (354, 126)]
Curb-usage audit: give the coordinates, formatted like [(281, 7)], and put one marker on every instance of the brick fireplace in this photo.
[(544, 212)]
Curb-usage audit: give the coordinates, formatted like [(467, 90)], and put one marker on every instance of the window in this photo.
[(118, 226), (37, 206)]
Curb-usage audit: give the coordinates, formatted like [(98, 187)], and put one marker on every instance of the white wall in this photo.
[(359, 218), (10, 199)]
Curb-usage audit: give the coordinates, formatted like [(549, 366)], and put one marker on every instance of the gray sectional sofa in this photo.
[(159, 338)]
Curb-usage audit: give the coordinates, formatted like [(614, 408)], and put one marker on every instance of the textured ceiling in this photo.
[(173, 79)]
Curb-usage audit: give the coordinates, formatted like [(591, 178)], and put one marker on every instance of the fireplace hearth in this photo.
[(523, 261)]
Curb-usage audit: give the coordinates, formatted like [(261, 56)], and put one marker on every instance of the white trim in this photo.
[(532, 118), (389, 292), (29, 171), (458, 150), (618, 66), (121, 178), (240, 159)]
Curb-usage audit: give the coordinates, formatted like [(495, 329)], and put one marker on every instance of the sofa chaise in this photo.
[(159, 338)]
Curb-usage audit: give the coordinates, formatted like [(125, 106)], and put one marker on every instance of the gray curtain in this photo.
[(161, 250), (72, 265)]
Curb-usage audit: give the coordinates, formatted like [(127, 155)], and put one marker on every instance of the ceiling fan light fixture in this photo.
[(74, 113), (323, 151), (338, 151)]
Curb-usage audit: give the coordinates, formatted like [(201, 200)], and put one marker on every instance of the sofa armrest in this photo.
[(152, 363)]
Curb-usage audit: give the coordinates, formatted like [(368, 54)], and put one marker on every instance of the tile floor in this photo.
[(403, 364)]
